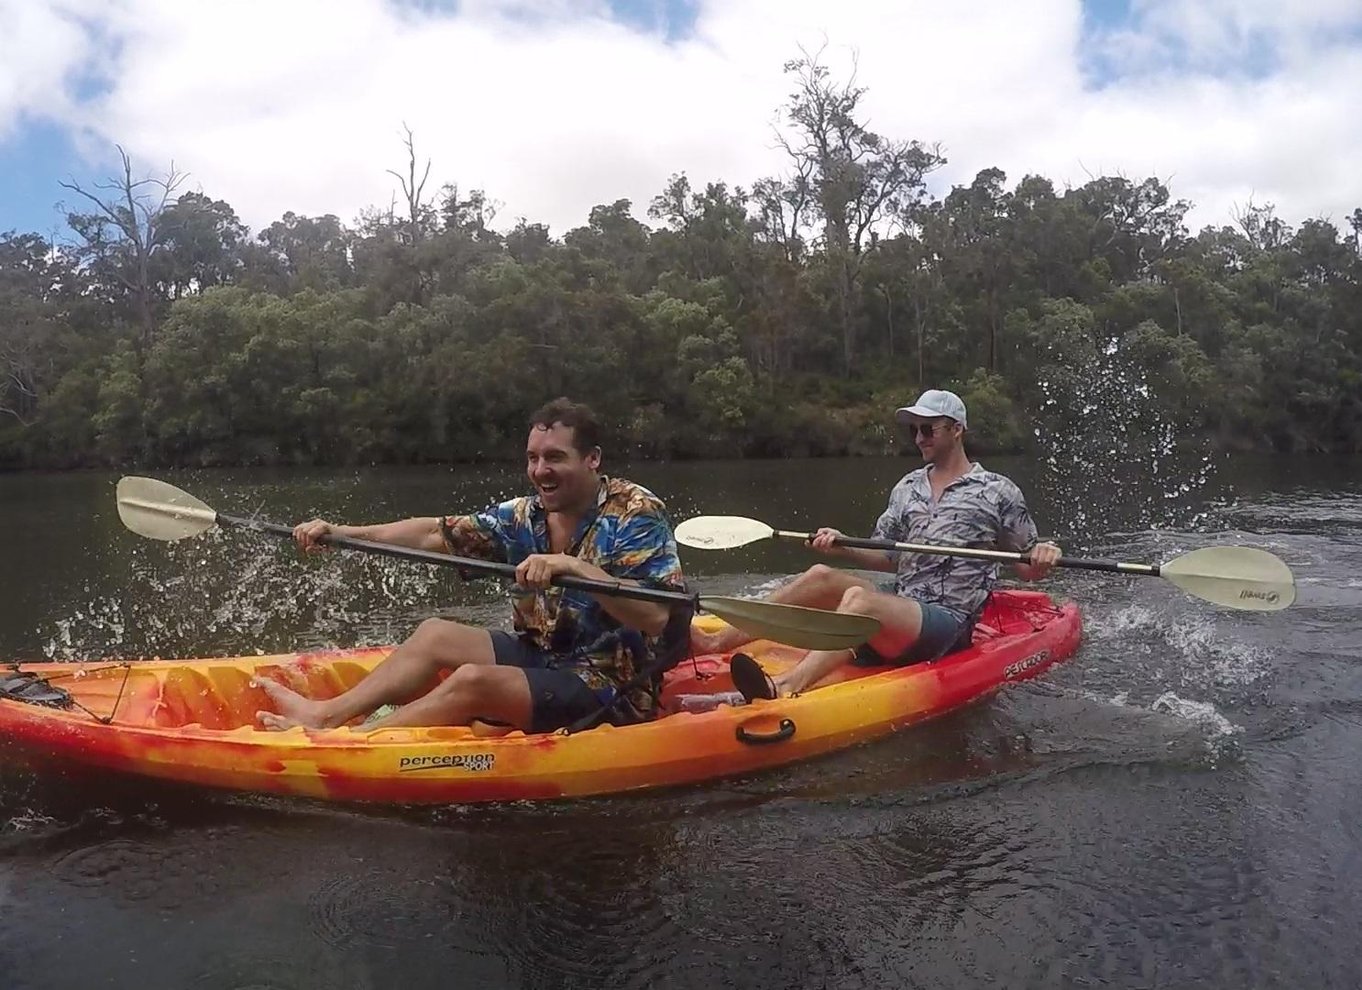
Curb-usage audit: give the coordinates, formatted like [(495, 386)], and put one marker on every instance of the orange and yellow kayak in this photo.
[(193, 721)]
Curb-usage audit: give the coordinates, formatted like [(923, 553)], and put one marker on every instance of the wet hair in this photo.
[(586, 429)]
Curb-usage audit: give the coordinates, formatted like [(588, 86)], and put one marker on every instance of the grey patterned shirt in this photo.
[(980, 509)]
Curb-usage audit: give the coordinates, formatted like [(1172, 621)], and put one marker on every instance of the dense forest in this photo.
[(787, 318)]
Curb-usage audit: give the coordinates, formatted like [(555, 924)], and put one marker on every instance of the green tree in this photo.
[(847, 178)]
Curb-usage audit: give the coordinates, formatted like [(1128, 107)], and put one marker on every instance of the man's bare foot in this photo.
[(276, 723), (292, 708)]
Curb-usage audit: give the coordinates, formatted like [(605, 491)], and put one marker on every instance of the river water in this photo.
[(1176, 806)]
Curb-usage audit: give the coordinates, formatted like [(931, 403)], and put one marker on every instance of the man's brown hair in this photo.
[(586, 429)]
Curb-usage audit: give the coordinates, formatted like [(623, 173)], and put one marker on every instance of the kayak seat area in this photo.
[(189, 697), (1018, 611), (224, 697)]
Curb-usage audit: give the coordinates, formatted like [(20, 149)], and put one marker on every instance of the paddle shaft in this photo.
[(1082, 563), (616, 588)]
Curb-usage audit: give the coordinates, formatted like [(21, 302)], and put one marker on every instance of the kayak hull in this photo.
[(194, 722)]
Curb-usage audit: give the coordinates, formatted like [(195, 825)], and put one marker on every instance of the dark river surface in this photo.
[(1176, 806)]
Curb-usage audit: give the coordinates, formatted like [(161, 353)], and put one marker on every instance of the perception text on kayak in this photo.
[(444, 761), (1026, 663)]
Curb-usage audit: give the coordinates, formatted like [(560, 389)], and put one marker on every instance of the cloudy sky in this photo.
[(552, 106)]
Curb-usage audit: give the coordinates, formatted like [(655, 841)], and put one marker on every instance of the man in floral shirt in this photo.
[(571, 652)]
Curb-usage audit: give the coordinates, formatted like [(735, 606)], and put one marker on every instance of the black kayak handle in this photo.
[(785, 730)]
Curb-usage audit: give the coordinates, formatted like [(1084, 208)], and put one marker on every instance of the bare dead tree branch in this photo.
[(412, 190), (136, 218)]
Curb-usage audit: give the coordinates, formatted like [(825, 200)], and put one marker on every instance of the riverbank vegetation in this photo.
[(785, 318)]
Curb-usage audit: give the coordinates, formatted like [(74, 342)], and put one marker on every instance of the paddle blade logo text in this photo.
[(1261, 596)]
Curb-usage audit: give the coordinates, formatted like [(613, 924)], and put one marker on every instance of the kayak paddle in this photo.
[(1236, 577), (161, 511)]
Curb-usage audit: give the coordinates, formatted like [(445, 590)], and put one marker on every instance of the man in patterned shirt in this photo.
[(936, 600), (571, 651)]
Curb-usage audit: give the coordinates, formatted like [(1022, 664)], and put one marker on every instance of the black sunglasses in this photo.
[(926, 429)]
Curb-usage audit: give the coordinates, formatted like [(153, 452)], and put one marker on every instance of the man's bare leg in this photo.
[(820, 586), (900, 626), (501, 694), (410, 669)]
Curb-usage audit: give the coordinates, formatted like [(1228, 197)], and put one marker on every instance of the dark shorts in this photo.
[(943, 630), (559, 696)]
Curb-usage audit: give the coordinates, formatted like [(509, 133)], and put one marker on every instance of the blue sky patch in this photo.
[(33, 161), (672, 19)]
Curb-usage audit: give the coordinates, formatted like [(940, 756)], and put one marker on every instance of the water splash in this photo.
[(1125, 619), (1197, 668), (1202, 713), (1114, 456), (1193, 649), (1215, 659), (764, 588), (235, 595), (27, 820)]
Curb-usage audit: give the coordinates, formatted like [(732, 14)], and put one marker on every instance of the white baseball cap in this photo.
[(933, 403)]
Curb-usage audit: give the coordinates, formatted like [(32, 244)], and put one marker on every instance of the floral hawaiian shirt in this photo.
[(628, 535)]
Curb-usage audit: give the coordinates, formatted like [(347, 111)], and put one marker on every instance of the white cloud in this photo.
[(40, 50), (551, 106), (1217, 32)]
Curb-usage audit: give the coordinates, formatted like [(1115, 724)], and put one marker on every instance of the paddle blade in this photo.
[(1236, 577), (793, 625), (721, 532), (163, 512)]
